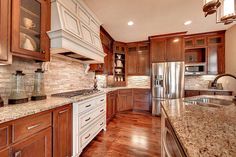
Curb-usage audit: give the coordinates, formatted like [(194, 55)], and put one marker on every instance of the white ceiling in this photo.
[(151, 17)]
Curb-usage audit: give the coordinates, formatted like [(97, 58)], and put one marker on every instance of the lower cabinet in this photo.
[(125, 100), (44, 134), (111, 105), (190, 93), (62, 132), (142, 99), (38, 145)]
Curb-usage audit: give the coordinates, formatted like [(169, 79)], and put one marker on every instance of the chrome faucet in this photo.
[(214, 83)]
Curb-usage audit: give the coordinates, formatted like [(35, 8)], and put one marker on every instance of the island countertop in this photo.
[(203, 131)]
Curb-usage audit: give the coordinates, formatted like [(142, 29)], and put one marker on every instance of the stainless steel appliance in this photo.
[(167, 83), (195, 69)]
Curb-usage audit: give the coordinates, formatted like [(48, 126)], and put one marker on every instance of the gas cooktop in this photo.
[(76, 93)]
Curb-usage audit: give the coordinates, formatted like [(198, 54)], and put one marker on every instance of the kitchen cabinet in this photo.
[(167, 48), (138, 58), (62, 131), (5, 16), (5, 152), (39, 144), (216, 59), (191, 42), (30, 23), (190, 93), (125, 100), (141, 99), (111, 105)]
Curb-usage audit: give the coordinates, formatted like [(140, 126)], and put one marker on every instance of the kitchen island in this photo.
[(203, 131)]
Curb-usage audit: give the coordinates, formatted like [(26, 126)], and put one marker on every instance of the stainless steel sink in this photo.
[(209, 102)]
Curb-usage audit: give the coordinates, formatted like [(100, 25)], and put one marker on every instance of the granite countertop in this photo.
[(12, 112), (204, 131)]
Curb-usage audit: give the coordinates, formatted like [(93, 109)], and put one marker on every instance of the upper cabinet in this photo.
[(207, 49), (167, 48), (138, 60), (5, 15), (30, 23)]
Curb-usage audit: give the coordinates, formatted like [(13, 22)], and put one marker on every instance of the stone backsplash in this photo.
[(62, 75), (139, 81)]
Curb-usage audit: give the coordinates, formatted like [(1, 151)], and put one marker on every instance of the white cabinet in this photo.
[(89, 118)]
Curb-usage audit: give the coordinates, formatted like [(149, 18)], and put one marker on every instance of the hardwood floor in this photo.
[(129, 134)]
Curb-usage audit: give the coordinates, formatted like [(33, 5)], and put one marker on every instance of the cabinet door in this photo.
[(5, 153), (174, 50), (4, 29), (109, 106), (132, 63), (121, 103), (189, 42), (143, 63), (158, 50), (216, 59), (62, 132), (129, 102), (190, 93), (30, 23), (200, 42), (38, 145)]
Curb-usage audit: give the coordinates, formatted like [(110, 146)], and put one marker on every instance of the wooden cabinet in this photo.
[(30, 23), (5, 15), (191, 42), (138, 62), (5, 152), (125, 100), (174, 49), (62, 131), (111, 105), (39, 144), (190, 93), (167, 48), (141, 99)]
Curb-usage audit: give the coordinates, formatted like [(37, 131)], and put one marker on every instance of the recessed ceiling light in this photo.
[(187, 23), (130, 23)]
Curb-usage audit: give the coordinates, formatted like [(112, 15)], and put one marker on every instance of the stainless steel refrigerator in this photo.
[(167, 83)]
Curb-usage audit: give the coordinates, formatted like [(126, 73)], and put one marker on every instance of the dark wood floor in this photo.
[(129, 134)]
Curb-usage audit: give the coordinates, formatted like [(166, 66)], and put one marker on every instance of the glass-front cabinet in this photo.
[(30, 23)]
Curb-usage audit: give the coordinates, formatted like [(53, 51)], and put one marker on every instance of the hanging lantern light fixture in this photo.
[(227, 12), (210, 6)]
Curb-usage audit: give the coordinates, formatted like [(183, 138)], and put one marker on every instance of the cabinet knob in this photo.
[(43, 51)]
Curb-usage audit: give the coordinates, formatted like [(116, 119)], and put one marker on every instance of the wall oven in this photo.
[(195, 69), (170, 146)]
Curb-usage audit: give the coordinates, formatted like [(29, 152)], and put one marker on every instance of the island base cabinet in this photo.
[(38, 145), (62, 132)]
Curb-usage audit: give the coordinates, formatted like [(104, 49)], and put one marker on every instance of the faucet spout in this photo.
[(219, 76)]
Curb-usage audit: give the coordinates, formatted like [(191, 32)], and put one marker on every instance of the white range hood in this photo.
[(75, 31)]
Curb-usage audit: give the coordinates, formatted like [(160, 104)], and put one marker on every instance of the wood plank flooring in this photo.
[(129, 134)]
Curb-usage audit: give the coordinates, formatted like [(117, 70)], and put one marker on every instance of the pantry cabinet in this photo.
[(138, 58), (167, 48), (30, 23)]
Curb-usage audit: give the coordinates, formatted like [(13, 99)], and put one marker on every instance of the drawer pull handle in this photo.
[(102, 110), (102, 100), (87, 137), (17, 154), (88, 106), (87, 119), (101, 124), (62, 111), (33, 126)]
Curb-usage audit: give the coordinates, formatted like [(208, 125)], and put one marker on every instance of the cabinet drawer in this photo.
[(86, 106), (88, 118), (224, 93), (4, 136), (25, 127), (142, 91), (85, 138), (141, 106), (141, 97), (101, 100), (125, 91), (207, 93)]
